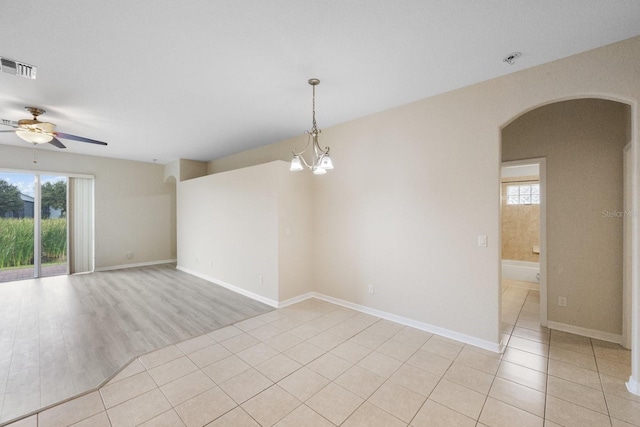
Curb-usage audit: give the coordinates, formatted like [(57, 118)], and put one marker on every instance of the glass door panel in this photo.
[(17, 208), (53, 225)]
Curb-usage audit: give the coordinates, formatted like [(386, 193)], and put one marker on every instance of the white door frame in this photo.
[(627, 237), (542, 165)]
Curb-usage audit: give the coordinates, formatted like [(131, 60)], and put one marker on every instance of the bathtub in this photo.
[(521, 270)]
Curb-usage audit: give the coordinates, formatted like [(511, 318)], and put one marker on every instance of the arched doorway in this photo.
[(583, 142)]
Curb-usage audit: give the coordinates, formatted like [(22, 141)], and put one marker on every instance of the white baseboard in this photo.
[(447, 333), (633, 386), (231, 287), (591, 333), (295, 300), (467, 339), (139, 264)]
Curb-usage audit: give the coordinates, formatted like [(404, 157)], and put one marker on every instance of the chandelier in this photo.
[(320, 161)]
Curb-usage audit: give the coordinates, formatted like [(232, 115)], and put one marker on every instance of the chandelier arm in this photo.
[(304, 161), (306, 147), (324, 151)]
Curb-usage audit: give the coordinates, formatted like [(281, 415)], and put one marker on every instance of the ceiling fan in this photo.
[(37, 132)]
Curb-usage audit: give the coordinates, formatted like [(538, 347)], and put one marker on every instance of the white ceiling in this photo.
[(202, 79)]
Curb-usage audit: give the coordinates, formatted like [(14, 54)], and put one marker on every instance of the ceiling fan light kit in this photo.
[(320, 161), (34, 137), (36, 132)]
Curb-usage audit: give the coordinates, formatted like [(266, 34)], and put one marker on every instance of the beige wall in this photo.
[(267, 153), (520, 225), (183, 169), (237, 226), (296, 233), (414, 187), (582, 141), (135, 209)]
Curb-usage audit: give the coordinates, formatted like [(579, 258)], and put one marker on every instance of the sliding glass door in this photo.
[(33, 226)]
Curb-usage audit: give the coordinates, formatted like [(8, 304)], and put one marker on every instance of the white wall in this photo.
[(239, 226), (134, 208)]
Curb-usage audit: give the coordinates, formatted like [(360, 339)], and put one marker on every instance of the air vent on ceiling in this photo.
[(18, 68)]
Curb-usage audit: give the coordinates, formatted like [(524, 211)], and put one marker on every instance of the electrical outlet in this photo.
[(260, 279), (562, 301), (371, 289), (129, 255)]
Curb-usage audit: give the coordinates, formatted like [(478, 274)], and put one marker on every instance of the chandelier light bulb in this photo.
[(296, 164), (326, 162)]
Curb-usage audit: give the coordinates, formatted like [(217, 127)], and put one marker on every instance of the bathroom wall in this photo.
[(520, 225)]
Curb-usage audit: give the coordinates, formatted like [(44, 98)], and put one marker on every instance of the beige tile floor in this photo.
[(318, 364)]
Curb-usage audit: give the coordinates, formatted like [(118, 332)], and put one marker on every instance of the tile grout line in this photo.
[(332, 381), (546, 380), (604, 396), (501, 360), (276, 383)]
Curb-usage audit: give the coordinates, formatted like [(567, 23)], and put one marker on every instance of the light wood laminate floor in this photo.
[(61, 336)]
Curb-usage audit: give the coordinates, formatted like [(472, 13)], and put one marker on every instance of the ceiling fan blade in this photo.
[(8, 131), (78, 138), (11, 123), (57, 143)]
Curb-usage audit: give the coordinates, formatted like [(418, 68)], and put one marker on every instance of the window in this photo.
[(528, 194)]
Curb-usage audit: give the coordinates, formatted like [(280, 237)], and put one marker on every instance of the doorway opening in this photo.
[(522, 224), (33, 226), (583, 194)]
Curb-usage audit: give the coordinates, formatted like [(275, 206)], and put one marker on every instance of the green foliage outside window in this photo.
[(10, 200)]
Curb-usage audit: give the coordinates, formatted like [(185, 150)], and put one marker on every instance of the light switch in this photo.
[(482, 240)]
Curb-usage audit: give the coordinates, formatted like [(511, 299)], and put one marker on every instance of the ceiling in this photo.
[(203, 79)]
